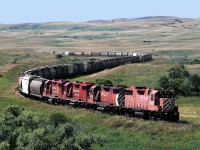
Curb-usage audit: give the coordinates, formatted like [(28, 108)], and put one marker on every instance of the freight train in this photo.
[(46, 84), (108, 54)]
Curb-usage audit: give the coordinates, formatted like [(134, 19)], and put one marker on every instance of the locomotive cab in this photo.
[(54, 88), (168, 106), (94, 94), (165, 100), (47, 86), (67, 93), (81, 90), (154, 98)]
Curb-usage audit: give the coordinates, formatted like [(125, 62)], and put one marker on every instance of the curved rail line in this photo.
[(44, 83)]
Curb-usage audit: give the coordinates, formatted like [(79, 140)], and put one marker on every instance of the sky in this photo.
[(39, 11)]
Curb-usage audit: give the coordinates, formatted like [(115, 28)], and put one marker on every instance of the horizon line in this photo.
[(93, 20)]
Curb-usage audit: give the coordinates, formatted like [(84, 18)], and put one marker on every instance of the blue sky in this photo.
[(23, 11)]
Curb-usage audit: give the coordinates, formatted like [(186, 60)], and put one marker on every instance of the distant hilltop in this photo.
[(134, 19), (125, 23)]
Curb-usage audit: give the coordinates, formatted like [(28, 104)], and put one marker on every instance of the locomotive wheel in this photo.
[(155, 116), (146, 115), (174, 117), (131, 113)]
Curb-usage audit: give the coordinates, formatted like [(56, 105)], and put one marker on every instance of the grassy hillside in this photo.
[(172, 41), (143, 34)]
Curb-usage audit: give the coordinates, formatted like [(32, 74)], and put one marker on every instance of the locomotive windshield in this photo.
[(115, 91), (166, 94), (129, 92)]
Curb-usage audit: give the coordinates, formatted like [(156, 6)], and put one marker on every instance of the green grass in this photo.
[(143, 74), (119, 132), (175, 53), (55, 43), (107, 29), (189, 100)]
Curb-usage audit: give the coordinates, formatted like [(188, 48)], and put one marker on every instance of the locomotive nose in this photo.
[(168, 104)]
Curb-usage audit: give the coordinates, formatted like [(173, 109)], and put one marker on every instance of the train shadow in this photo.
[(183, 122)]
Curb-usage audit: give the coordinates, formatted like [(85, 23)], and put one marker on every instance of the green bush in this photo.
[(59, 56), (180, 81), (103, 82), (195, 79), (4, 146), (21, 130), (59, 118)]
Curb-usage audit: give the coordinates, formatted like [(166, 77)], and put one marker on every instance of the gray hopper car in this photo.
[(36, 86)]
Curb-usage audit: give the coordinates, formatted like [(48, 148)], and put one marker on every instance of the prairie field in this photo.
[(172, 41)]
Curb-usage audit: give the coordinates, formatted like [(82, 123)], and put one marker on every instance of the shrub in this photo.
[(14, 110), (104, 82), (195, 79), (21, 129), (178, 72), (59, 56), (14, 61), (59, 118), (4, 145), (180, 81), (196, 61)]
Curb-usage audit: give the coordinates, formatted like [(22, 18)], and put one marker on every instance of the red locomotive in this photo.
[(132, 101)]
